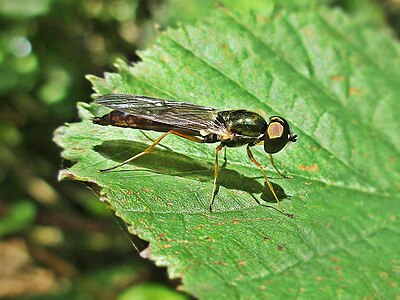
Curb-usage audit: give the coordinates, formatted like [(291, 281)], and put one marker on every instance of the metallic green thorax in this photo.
[(246, 125)]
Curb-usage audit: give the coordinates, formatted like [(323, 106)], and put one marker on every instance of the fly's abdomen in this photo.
[(120, 119), (243, 122)]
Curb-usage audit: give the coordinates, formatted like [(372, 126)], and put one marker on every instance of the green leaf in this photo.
[(337, 85), (173, 11), (370, 11), (147, 291)]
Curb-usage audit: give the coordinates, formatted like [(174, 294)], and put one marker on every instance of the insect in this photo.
[(201, 124)]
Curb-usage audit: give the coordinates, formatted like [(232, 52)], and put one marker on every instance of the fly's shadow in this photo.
[(167, 162)]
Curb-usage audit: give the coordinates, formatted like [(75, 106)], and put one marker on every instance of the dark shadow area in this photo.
[(137, 243), (267, 195), (174, 164)]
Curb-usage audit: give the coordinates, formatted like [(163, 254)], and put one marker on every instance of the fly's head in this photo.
[(277, 135)]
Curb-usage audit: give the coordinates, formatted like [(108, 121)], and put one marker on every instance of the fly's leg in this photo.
[(277, 170), (217, 151), (225, 160), (250, 154), (152, 146)]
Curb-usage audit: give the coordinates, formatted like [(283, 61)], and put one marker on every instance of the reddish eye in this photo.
[(275, 130)]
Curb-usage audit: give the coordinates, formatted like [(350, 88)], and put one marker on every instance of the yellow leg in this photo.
[(152, 146), (265, 175), (276, 169), (217, 151)]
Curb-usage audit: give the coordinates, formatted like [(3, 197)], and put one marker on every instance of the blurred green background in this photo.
[(57, 240)]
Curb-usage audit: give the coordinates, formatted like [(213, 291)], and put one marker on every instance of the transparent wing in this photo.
[(173, 113)]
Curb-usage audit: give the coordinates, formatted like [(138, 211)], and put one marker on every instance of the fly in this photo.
[(201, 124)]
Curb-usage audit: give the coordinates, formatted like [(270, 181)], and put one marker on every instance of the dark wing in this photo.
[(173, 113)]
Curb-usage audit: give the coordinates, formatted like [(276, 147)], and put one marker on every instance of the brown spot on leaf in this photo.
[(280, 248), (242, 263), (199, 227), (266, 239), (228, 52), (312, 168), (383, 275), (392, 218), (209, 238), (263, 19), (313, 148), (262, 287), (353, 91), (335, 259), (308, 31), (147, 190), (218, 223), (337, 78), (161, 236)]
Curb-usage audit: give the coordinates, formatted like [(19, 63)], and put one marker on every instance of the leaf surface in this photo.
[(337, 85)]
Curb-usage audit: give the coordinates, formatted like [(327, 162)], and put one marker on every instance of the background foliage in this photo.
[(63, 234)]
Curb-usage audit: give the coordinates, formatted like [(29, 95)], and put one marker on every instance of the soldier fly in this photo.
[(201, 124)]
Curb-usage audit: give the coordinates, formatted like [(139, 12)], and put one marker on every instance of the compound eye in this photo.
[(275, 130), (276, 136)]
